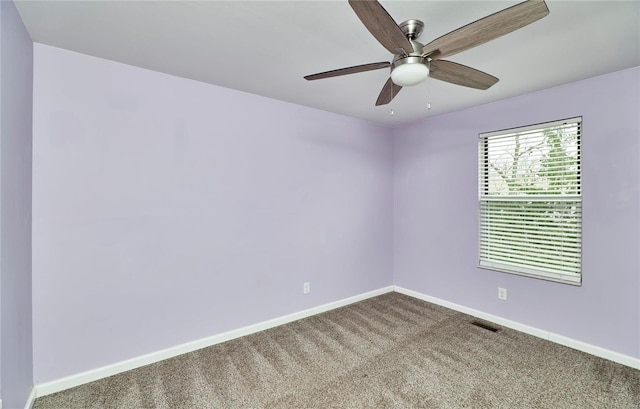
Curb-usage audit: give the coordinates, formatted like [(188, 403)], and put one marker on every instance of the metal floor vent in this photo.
[(484, 326)]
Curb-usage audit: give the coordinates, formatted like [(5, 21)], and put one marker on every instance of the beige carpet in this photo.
[(391, 351)]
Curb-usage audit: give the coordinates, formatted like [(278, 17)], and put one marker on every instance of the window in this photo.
[(530, 189)]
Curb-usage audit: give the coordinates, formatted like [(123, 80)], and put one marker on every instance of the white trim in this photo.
[(534, 127), (118, 367), (30, 400), (568, 278), (550, 336)]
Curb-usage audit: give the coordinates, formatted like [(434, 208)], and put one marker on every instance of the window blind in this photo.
[(530, 200)]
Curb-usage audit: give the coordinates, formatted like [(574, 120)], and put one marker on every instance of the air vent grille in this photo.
[(484, 326)]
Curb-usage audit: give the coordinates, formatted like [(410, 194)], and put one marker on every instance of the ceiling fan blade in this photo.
[(349, 70), (487, 29), (389, 91), (379, 23), (460, 74)]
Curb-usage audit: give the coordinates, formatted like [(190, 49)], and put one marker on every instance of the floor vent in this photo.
[(484, 326)]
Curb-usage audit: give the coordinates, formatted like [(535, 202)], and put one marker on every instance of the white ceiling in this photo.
[(266, 47)]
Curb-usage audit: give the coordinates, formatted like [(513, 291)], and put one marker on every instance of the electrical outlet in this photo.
[(306, 288), (502, 293)]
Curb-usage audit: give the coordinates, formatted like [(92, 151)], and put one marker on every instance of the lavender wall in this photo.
[(436, 213), (16, 90), (167, 210)]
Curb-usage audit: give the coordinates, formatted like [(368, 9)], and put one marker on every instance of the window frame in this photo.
[(570, 203)]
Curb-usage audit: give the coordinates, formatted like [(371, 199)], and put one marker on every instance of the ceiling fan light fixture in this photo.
[(409, 71)]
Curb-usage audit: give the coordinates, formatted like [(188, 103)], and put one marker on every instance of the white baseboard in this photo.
[(123, 366), (30, 400), (109, 370), (558, 339)]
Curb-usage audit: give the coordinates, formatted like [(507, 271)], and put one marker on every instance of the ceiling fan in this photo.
[(413, 62)]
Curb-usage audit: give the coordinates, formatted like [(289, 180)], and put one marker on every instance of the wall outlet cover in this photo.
[(502, 293)]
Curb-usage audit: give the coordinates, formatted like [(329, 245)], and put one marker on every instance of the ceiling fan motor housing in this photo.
[(412, 69)]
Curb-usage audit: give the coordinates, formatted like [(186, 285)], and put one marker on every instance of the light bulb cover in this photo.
[(409, 71)]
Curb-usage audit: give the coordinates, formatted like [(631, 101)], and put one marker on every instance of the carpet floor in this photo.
[(390, 351)]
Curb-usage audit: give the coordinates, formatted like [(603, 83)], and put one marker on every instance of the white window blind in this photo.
[(530, 185)]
